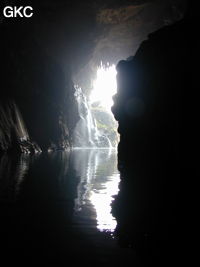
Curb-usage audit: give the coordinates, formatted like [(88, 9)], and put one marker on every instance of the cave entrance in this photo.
[(97, 127), (104, 87)]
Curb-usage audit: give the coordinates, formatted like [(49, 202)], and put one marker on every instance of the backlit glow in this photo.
[(104, 87), (102, 199)]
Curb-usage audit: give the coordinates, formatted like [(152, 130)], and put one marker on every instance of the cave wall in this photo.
[(35, 85), (156, 107), (63, 44), (121, 26), (39, 89)]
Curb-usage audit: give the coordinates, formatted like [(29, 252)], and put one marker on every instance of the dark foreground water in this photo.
[(56, 208)]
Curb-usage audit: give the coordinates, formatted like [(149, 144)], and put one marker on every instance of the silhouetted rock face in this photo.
[(150, 91), (156, 107)]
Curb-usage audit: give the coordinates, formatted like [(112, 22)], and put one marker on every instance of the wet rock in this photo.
[(13, 133)]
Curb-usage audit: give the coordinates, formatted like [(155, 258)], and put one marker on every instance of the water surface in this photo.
[(99, 181), (57, 206)]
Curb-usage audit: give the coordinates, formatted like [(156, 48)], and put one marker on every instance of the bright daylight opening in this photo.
[(97, 126), (105, 86)]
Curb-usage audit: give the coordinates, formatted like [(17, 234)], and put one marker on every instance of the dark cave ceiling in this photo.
[(81, 34)]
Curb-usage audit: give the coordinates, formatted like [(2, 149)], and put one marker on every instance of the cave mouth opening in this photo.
[(104, 87), (97, 127)]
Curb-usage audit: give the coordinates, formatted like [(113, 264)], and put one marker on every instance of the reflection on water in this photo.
[(79, 186), (99, 180), (55, 206), (102, 199), (12, 172)]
